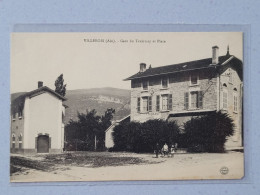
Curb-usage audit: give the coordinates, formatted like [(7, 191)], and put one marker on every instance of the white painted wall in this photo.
[(109, 143), (43, 114)]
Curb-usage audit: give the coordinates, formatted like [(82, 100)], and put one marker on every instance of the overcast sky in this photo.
[(44, 56)]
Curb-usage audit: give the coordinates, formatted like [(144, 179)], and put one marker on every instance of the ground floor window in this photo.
[(20, 138), (13, 141)]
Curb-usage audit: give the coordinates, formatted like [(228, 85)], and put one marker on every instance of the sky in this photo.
[(110, 58)]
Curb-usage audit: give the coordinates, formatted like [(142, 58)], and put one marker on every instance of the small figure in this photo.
[(157, 149), (172, 150), (165, 149)]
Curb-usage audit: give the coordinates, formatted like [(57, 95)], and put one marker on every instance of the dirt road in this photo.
[(182, 166)]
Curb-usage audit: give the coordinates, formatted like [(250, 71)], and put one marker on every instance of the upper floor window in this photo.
[(193, 100), (194, 79), (138, 104), (167, 102), (235, 100), (164, 83), (225, 97), (145, 85)]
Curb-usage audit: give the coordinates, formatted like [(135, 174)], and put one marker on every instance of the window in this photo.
[(225, 97), (164, 102), (138, 104), (170, 102), (235, 100), (13, 141), (164, 83), (193, 100), (145, 85), (20, 138), (157, 103), (194, 79), (149, 103), (145, 104)]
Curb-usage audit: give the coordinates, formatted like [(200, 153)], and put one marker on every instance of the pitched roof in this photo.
[(18, 103), (186, 66)]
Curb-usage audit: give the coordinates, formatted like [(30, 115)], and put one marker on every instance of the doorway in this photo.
[(43, 144)]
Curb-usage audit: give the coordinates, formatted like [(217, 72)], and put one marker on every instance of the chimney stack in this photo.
[(40, 84), (142, 67), (215, 55)]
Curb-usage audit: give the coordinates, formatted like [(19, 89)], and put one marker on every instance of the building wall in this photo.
[(17, 129), (230, 84), (109, 143), (178, 85), (43, 115)]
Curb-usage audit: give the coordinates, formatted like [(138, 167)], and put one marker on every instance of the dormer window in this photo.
[(164, 83), (194, 79), (145, 85)]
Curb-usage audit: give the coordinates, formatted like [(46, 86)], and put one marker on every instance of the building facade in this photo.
[(181, 91), (37, 122)]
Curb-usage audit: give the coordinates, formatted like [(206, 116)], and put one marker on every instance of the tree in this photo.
[(88, 133), (60, 88), (208, 133), (142, 137)]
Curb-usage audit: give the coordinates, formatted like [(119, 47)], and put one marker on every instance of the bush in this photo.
[(208, 133), (142, 137)]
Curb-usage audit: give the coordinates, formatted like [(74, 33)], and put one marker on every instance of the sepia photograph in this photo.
[(126, 106)]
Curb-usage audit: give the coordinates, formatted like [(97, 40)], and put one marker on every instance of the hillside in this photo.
[(99, 99)]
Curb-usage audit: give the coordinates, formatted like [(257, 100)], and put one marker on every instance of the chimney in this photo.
[(40, 84), (142, 67), (215, 55)]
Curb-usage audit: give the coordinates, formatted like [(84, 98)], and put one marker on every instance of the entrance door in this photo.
[(43, 144)]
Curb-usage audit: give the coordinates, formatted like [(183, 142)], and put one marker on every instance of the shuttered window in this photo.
[(186, 100), (138, 104), (225, 102), (145, 104), (235, 103), (157, 103), (170, 102), (164, 83), (164, 102), (200, 99), (149, 103)]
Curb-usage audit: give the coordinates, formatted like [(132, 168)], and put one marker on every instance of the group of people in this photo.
[(165, 150)]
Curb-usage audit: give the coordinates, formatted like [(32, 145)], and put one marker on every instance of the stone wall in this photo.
[(178, 85)]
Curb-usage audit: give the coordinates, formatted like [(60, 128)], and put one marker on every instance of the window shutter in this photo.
[(138, 104), (200, 99), (186, 100), (170, 102), (157, 103), (150, 103)]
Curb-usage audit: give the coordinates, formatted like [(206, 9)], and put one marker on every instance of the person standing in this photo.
[(165, 149), (157, 148)]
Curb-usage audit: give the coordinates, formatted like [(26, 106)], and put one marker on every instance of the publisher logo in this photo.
[(224, 170)]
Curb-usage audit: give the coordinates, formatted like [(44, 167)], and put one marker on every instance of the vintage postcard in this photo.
[(126, 106)]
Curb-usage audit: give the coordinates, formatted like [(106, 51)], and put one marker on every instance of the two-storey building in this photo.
[(181, 91), (37, 121)]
